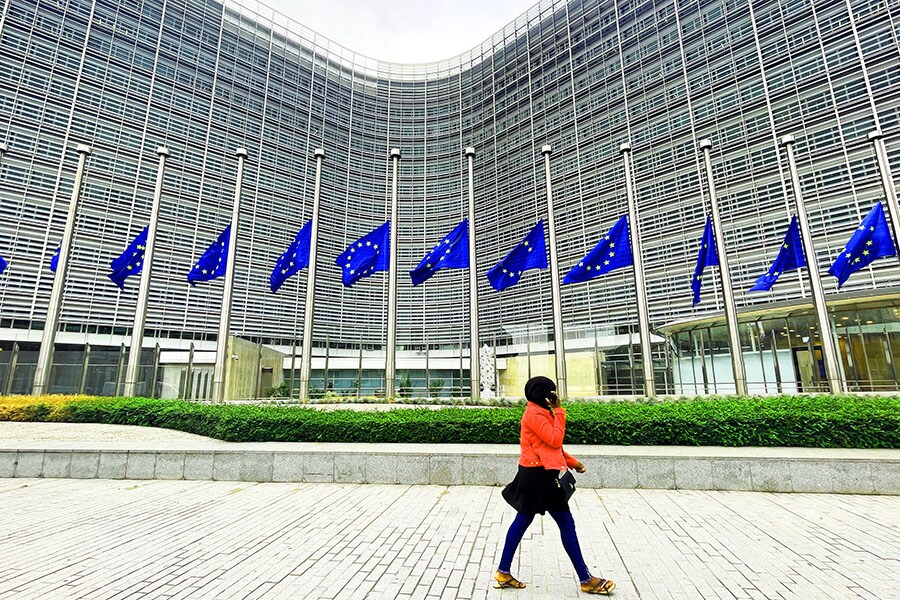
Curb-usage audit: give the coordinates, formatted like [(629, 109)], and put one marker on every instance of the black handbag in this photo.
[(567, 483)]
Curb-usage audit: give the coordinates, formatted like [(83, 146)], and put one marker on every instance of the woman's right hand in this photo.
[(553, 400)]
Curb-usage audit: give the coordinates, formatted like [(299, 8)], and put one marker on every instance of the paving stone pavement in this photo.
[(102, 539)]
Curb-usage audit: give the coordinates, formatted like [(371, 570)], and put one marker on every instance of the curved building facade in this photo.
[(204, 78)]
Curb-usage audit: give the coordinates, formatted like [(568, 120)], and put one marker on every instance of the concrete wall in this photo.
[(251, 369), (835, 470), (581, 373)]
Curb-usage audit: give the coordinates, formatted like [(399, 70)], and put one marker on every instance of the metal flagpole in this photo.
[(290, 389), (359, 370), (734, 338), (306, 356), (496, 372), (155, 371), (829, 351), (48, 337), (85, 365), (120, 367), (258, 374), (390, 356), (474, 356), (890, 193), (140, 313), (4, 148), (325, 371), (427, 369), (559, 346), (528, 348), (461, 388), (189, 376), (640, 291), (11, 374), (222, 360)]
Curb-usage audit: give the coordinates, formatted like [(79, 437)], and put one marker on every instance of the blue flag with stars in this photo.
[(611, 252), (530, 253), (790, 257), (872, 240), (131, 261), (213, 262), (367, 255), (3, 265), (54, 260), (296, 257), (707, 257), (452, 252)]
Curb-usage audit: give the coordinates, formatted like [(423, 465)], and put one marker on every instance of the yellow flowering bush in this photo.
[(51, 407)]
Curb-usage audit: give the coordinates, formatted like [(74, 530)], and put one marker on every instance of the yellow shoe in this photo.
[(597, 585), (505, 580)]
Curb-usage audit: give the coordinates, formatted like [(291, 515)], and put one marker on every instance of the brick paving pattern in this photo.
[(101, 539)]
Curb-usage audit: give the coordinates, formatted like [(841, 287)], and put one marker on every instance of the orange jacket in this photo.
[(541, 439)]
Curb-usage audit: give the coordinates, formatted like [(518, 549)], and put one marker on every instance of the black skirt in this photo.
[(536, 490)]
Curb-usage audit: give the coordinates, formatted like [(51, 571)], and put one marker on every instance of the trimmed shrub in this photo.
[(811, 421)]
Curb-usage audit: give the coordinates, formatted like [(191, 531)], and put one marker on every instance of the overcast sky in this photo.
[(404, 31)]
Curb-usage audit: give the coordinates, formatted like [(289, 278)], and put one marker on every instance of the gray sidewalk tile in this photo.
[(29, 463), (852, 477), (140, 465), (169, 465), (886, 477), (771, 475), (619, 472), (656, 473), (287, 466), (198, 465), (85, 465), (350, 468), (227, 466), (445, 470), (729, 474), (487, 470), (319, 468), (256, 466), (56, 464), (8, 463), (413, 470), (112, 465), (383, 468), (692, 474)]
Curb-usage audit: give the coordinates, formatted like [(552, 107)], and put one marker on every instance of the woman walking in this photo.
[(536, 488)]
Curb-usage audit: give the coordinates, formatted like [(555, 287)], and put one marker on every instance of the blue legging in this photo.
[(566, 530)]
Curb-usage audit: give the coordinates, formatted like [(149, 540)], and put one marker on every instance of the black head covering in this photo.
[(538, 388)]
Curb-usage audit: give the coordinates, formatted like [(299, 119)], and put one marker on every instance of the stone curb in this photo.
[(842, 471)]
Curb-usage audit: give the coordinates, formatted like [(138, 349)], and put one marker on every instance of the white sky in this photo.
[(404, 31)]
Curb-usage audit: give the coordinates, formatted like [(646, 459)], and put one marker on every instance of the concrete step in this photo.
[(632, 467)]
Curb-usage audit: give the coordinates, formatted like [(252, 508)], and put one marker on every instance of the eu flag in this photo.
[(530, 253), (131, 261), (213, 262), (707, 257), (365, 256), (54, 260), (611, 252), (296, 257), (3, 265), (452, 252), (871, 240), (790, 257)]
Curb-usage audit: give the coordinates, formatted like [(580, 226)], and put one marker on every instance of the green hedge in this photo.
[(811, 421)]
